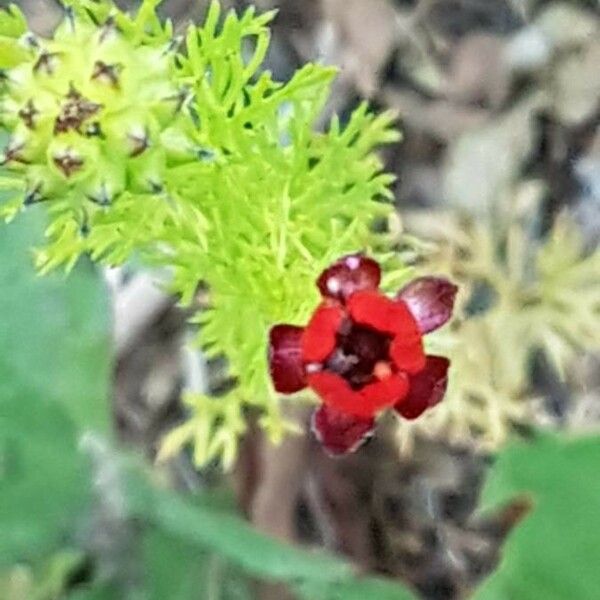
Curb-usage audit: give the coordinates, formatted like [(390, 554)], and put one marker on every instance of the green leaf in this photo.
[(54, 332), (54, 371), (177, 570), (372, 588), (319, 576), (554, 554), (231, 537), (95, 592), (172, 569), (43, 477)]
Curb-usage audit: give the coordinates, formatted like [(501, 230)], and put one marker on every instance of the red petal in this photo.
[(382, 314), (336, 392), (366, 402), (386, 315), (386, 392), (319, 340), (427, 388), (338, 432), (348, 275), (408, 354), (430, 300), (285, 358)]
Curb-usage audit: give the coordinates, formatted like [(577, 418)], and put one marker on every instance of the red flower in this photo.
[(362, 352)]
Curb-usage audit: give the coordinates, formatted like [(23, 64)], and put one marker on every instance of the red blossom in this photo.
[(362, 352)]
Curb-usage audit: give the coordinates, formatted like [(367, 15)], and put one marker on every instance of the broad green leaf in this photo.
[(178, 570), (555, 553), (94, 592), (371, 588), (44, 479), (318, 575), (171, 568), (54, 373), (54, 331), (233, 538)]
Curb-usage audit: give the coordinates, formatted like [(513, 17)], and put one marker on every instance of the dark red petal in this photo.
[(430, 300), (348, 275), (319, 340), (338, 432), (385, 393), (285, 358), (427, 388)]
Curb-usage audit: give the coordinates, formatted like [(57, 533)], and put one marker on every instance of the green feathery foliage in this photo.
[(184, 152)]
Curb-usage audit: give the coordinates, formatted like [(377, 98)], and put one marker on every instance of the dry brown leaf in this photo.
[(566, 25), (442, 119), (575, 88), (478, 71), (365, 33), (484, 163)]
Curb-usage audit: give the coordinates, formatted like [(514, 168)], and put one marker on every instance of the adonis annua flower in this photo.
[(362, 351)]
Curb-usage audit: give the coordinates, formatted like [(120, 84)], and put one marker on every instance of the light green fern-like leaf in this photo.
[(205, 165)]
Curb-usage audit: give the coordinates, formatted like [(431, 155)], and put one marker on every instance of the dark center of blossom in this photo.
[(358, 350)]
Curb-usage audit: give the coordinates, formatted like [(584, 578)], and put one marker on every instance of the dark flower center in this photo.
[(358, 350)]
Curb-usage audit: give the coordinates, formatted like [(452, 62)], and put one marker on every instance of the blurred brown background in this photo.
[(492, 95)]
